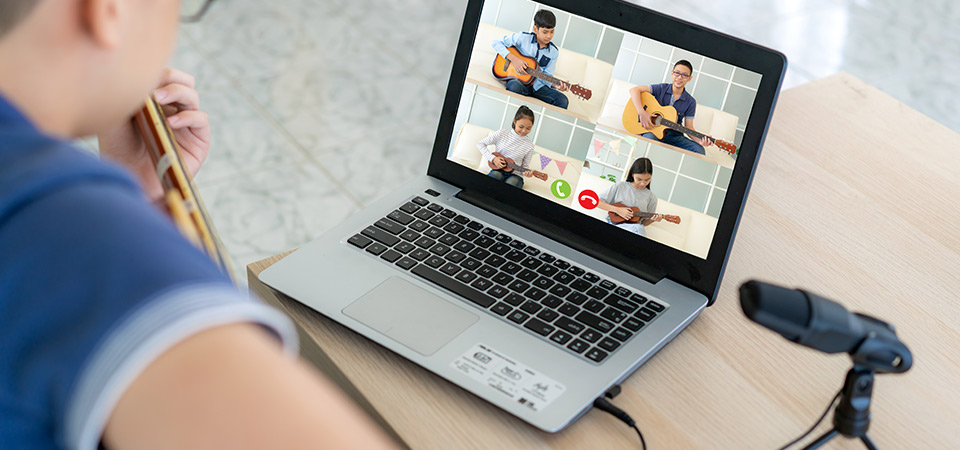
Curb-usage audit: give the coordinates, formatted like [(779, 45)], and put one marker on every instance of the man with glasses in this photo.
[(115, 330), (672, 94)]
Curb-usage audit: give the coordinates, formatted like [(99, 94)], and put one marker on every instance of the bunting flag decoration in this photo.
[(615, 146), (630, 140), (597, 144), (561, 165), (544, 161)]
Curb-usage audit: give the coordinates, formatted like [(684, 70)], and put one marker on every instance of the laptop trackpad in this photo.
[(410, 315)]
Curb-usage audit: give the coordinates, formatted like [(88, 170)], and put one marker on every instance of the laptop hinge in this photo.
[(564, 236)]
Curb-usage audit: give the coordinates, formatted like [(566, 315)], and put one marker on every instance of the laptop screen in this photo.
[(624, 116), (567, 129)]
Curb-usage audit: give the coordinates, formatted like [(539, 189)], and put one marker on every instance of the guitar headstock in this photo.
[(581, 92), (542, 176), (726, 146), (672, 219)]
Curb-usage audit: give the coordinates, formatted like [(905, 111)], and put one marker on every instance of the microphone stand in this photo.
[(851, 417)]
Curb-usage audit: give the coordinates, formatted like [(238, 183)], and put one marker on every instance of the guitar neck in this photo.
[(676, 126), (517, 167), (547, 78)]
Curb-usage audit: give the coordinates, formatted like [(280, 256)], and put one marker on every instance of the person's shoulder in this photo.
[(553, 46)]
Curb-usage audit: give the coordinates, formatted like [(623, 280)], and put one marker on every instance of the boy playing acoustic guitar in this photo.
[(535, 45), (510, 143), (672, 94), (635, 191)]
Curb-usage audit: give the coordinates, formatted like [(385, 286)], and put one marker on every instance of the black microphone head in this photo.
[(786, 311)]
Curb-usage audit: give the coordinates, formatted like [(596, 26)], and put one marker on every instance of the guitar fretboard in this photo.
[(676, 126), (539, 74)]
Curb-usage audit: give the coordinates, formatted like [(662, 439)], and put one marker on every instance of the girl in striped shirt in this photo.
[(511, 143)]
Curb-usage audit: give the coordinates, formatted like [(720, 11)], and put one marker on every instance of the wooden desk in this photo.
[(841, 205)]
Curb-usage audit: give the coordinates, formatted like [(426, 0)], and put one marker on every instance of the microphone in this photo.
[(825, 325)]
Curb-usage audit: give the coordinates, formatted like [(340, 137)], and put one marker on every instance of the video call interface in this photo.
[(637, 133)]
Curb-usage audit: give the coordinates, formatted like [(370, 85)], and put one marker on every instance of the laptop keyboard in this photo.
[(523, 285)]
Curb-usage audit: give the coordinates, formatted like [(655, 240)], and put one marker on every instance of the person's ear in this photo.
[(101, 20)]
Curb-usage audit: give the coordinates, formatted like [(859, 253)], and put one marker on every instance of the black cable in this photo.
[(604, 405), (827, 411)]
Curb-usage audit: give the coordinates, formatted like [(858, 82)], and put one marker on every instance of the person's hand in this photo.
[(562, 87), (500, 162), (704, 141), (624, 212), (528, 173), (191, 128), (646, 120), (519, 65), (657, 217)]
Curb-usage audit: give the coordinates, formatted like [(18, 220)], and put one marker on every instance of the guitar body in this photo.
[(664, 117), (512, 165), (504, 70), (616, 219), (631, 118)]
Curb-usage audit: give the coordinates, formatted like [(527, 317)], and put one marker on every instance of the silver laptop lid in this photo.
[(586, 140)]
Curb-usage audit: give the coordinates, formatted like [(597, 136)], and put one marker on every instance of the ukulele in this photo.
[(181, 200), (512, 165), (664, 117), (504, 70), (637, 215)]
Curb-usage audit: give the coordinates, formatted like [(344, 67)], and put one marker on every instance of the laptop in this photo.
[(533, 297)]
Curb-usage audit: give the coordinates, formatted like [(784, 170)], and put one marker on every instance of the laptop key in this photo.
[(482, 284), (655, 306), (563, 265), (576, 271), (621, 334), (497, 291), (531, 307), (400, 217), (591, 277), (425, 242), (489, 232), (591, 336), (404, 247), (380, 236), (511, 267), (531, 263), (448, 214), (410, 235), (580, 285), (486, 271), (406, 262), (515, 255), (409, 208), (548, 258), (551, 301), (433, 233), (613, 314), (453, 227), (564, 278), (633, 324), (518, 316), (376, 248), (419, 254), (484, 242), (464, 246), (594, 321), (535, 293), (419, 226), (495, 261), (560, 290), (501, 309), (449, 239), (645, 314), (391, 255), (439, 249), (577, 298), (435, 208), (547, 270), (420, 201), (514, 299), (596, 355), (527, 275), (360, 240), (593, 306), (608, 285), (434, 261), (462, 220), (597, 292), (453, 285), (502, 279), (569, 325), (424, 214), (578, 346), (568, 309), (623, 292), (450, 269), (608, 344), (539, 327), (548, 315), (503, 238), (439, 221), (543, 283), (469, 235), (561, 337), (621, 303), (500, 249), (470, 263), (466, 276), (474, 225), (517, 244), (532, 251), (480, 253), (519, 286)]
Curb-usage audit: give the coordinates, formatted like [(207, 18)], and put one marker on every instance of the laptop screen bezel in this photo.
[(617, 247)]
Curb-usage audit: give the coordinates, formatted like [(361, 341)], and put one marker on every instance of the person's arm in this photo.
[(493, 139), (232, 387), (688, 122), (652, 207), (551, 66), (501, 47), (609, 196), (646, 119), (527, 160)]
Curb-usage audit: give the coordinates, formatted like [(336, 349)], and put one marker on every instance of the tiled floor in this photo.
[(321, 106)]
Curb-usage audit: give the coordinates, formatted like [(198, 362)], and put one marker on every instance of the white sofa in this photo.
[(574, 67), (466, 153), (693, 235), (719, 124)]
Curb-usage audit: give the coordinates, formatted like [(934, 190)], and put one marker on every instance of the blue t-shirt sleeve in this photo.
[(97, 284), (656, 90), (691, 110)]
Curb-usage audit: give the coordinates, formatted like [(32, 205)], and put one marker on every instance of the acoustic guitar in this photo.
[(512, 165), (664, 117), (181, 200), (637, 215), (503, 69)]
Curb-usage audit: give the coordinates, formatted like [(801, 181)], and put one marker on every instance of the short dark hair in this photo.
[(640, 167), (523, 111), (12, 12), (684, 62), (544, 19)]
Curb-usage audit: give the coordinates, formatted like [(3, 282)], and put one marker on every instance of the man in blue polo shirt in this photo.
[(536, 45), (114, 330), (672, 94)]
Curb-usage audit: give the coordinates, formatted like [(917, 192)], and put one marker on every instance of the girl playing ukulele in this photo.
[(511, 143), (634, 191)]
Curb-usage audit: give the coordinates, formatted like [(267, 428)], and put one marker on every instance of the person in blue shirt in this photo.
[(535, 45), (115, 331), (672, 94)]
